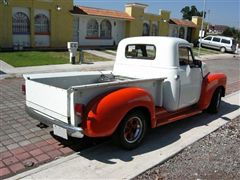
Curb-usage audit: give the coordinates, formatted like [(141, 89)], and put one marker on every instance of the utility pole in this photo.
[(201, 32), (208, 18)]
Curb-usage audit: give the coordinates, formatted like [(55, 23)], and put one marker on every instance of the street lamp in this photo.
[(201, 31), (59, 8)]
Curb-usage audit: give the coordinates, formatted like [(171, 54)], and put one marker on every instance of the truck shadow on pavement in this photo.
[(156, 138), (77, 144)]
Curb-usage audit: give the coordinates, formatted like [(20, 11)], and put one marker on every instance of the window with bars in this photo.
[(106, 29), (146, 29), (41, 24), (181, 32), (92, 29), (20, 23), (154, 30)]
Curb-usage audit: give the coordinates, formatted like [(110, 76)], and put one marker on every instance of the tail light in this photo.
[(23, 89), (79, 109)]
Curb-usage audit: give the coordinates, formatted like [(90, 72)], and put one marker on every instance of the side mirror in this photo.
[(198, 63)]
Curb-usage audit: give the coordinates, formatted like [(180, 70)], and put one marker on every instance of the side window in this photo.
[(185, 56), (225, 41), (208, 38), (140, 51), (215, 39)]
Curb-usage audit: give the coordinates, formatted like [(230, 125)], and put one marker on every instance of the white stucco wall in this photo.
[(42, 40), (118, 31), (174, 30)]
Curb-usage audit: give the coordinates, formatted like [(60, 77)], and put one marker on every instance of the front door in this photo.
[(189, 34), (215, 43), (190, 78)]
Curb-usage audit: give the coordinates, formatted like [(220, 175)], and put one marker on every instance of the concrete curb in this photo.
[(216, 56), (107, 161), (5, 65), (101, 54), (18, 72)]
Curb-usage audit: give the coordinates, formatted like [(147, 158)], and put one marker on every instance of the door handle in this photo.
[(176, 77)]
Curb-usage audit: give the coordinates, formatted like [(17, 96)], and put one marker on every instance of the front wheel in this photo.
[(132, 130), (215, 102)]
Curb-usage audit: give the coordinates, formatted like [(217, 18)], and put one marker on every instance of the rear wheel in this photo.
[(223, 49), (215, 102), (132, 130)]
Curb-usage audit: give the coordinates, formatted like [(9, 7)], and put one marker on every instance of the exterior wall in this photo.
[(61, 21), (198, 21), (164, 26), (135, 27), (5, 25), (118, 31)]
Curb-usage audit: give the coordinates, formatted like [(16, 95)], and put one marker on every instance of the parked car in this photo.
[(155, 81), (221, 43)]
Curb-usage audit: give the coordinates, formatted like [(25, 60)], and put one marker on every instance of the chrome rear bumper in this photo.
[(72, 131)]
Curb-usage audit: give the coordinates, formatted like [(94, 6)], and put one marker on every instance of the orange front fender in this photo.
[(210, 83), (105, 112)]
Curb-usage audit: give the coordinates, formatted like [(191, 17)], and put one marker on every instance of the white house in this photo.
[(181, 28), (98, 27)]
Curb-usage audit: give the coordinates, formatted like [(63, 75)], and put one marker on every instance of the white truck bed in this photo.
[(54, 95)]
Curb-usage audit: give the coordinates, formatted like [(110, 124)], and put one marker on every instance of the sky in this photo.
[(220, 12)]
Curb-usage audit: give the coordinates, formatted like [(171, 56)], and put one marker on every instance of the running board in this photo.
[(165, 117)]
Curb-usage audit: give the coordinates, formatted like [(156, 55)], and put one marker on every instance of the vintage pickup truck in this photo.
[(155, 81)]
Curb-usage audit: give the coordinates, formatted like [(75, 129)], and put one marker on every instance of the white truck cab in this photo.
[(164, 57)]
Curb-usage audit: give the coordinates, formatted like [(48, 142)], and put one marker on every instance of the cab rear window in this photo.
[(140, 51)]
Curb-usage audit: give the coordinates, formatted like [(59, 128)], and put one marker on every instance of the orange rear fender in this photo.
[(105, 112), (210, 83)]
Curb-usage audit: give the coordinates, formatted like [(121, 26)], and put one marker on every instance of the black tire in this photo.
[(223, 49), (215, 101), (131, 130)]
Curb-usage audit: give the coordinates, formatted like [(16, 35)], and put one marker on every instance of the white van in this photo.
[(221, 43)]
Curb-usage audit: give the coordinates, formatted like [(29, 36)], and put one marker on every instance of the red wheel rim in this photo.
[(133, 129)]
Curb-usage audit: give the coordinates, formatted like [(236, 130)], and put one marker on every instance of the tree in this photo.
[(232, 32), (188, 12)]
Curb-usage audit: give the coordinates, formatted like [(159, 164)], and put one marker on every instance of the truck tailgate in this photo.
[(47, 100)]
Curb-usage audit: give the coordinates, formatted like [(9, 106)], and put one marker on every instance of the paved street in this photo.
[(24, 145)]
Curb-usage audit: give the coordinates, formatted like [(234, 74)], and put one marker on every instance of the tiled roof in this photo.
[(181, 22), (219, 27), (100, 12)]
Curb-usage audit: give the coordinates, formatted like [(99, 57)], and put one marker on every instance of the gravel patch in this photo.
[(216, 156)]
